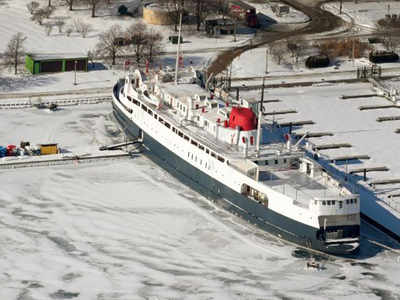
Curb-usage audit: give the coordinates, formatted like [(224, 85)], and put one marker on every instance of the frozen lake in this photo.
[(128, 230)]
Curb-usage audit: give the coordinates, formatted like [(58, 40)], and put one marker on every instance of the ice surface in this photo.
[(128, 230)]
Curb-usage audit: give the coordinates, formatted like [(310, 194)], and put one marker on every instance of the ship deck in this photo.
[(299, 186), (290, 182)]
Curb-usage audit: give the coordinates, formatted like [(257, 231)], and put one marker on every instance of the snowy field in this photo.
[(128, 230), (366, 13), (253, 63), (101, 79), (15, 17), (265, 9)]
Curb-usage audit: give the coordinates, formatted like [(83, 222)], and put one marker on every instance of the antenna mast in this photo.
[(260, 113), (178, 49)]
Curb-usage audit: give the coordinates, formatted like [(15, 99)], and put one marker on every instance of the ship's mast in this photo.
[(260, 113), (178, 49)]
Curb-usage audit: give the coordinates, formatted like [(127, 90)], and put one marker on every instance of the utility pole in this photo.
[(75, 63), (178, 50)]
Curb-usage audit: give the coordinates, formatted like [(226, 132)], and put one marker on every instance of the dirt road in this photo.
[(320, 21)]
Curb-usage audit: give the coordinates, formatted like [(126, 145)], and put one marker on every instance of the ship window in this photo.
[(201, 147), (180, 134), (266, 162), (221, 159), (161, 120), (333, 202), (347, 201), (207, 151), (276, 161), (355, 201), (167, 125), (213, 154), (194, 142), (329, 202), (323, 203), (186, 137), (144, 107), (284, 160), (340, 204), (174, 129), (150, 112), (129, 98)]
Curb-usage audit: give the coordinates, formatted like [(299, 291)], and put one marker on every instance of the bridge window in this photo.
[(194, 143), (186, 137), (323, 203), (144, 107), (254, 194), (221, 159)]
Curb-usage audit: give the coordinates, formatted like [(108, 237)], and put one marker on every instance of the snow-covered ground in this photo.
[(102, 78), (294, 16), (366, 13), (253, 63), (128, 230), (15, 17)]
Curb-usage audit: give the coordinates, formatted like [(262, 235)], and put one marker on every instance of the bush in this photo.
[(317, 61), (122, 10)]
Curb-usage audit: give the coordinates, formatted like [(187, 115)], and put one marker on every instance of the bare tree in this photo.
[(48, 27), (14, 50), (278, 51), (153, 45), (295, 47), (93, 4), (69, 30), (32, 6), (70, 3), (108, 45), (138, 37), (91, 56), (82, 27), (48, 11), (175, 8), (60, 24), (38, 16)]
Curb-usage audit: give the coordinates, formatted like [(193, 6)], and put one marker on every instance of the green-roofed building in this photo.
[(52, 63)]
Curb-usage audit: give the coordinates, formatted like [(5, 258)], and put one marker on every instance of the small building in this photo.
[(216, 25), (52, 63), (279, 9), (46, 149)]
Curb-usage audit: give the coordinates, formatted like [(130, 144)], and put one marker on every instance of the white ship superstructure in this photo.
[(218, 148)]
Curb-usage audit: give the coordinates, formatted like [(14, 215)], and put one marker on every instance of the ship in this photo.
[(222, 147)]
